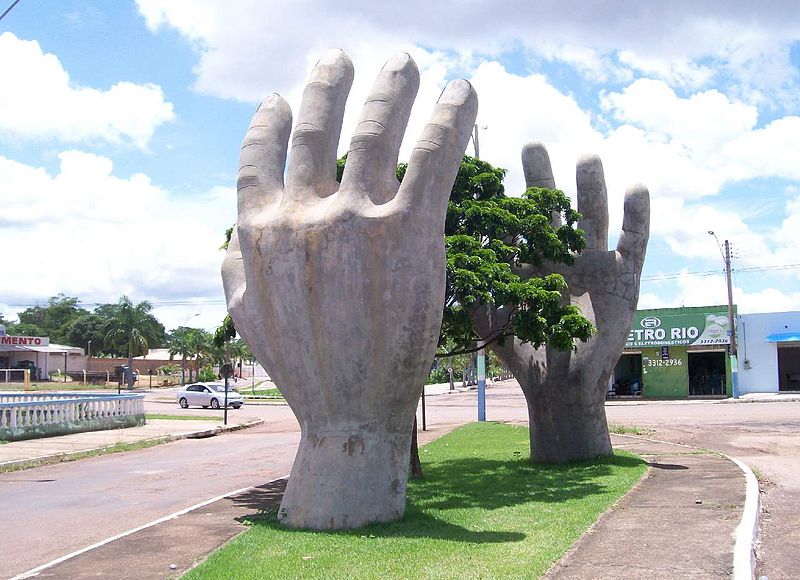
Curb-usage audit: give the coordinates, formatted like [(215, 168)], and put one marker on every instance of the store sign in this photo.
[(680, 327), (7, 340)]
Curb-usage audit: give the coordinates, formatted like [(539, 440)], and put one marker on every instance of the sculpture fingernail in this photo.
[(397, 62), (331, 56), (456, 93), (269, 101)]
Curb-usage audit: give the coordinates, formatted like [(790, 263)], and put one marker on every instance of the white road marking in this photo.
[(35, 571)]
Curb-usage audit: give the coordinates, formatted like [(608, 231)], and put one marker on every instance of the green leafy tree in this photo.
[(52, 319), (85, 329), (131, 329), (150, 327), (489, 238), (194, 343)]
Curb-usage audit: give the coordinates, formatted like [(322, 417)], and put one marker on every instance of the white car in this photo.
[(208, 395)]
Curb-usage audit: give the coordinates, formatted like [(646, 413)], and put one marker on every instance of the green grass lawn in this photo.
[(482, 511), (271, 392)]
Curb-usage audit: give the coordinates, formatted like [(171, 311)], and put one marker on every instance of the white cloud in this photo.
[(242, 42), (89, 233), (712, 290), (39, 102)]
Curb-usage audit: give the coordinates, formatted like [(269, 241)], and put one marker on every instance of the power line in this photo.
[(14, 3)]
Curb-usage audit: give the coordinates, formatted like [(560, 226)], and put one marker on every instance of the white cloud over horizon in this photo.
[(38, 102)]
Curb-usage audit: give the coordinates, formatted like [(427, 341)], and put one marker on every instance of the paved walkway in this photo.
[(678, 522)]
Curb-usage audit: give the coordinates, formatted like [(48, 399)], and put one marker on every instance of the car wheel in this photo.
[(184, 403), (214, 404)]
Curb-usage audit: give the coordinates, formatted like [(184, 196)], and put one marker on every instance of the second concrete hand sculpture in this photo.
[(338, 289)]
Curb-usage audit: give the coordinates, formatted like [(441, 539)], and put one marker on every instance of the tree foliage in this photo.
[(489, 237), (132, 329)]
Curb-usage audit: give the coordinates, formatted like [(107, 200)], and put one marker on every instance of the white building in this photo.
[(769, 352)]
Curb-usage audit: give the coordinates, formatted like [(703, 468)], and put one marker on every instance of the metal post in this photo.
[(481, 357), (225, 412), (481, 386), (65, 367), (424, 422)]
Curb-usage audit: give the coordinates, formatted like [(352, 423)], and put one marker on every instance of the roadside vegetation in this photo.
[(482, 511), (630, 430)]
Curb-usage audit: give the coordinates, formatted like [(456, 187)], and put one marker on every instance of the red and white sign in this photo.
[(24, 340)]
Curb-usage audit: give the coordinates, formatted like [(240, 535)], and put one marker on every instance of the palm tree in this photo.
[(130, 327), (179, 345)]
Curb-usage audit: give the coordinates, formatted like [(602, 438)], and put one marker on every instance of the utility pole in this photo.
[(730, 297), (731, 319)]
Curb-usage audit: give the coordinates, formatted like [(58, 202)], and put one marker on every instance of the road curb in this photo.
[(744, 555), (22, 464)]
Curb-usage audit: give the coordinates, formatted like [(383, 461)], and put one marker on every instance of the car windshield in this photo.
[(219, 388)]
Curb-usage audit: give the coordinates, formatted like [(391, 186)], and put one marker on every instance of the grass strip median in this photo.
[(482, 511)]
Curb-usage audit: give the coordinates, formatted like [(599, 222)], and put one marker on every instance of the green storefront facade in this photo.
[(676, 353)]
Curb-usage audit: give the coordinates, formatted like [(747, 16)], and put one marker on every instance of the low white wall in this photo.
[(33, 415)]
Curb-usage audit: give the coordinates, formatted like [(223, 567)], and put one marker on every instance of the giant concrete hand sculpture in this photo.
[(338, 289), (565, 391)]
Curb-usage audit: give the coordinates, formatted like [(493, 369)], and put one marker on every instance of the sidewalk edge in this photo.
[(744, 554), (23, 464)]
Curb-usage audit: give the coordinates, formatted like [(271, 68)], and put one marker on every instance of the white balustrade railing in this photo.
[(59, 413)]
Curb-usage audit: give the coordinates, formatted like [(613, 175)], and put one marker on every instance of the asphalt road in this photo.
[(51, 511)]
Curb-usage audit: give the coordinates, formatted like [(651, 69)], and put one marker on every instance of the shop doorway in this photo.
[(789, 367), (628, 375), (707, 373)]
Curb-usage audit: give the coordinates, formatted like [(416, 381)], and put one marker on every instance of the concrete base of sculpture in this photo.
[(334, 471)]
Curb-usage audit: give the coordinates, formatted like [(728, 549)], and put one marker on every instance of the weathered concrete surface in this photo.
[(678, 523), (338, 289), (565, 391)]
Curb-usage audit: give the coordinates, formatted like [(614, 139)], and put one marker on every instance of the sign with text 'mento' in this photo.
[(680, 327), (10, 340)]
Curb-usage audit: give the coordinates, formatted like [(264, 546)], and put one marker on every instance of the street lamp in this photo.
[(183, 347), (726, 257)]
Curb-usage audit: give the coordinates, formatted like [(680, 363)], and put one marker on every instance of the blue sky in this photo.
[(120, 124)]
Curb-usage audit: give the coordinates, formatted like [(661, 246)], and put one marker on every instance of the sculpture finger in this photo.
[(632, 244), (372, 159), (312, 163), (538, 172), (592, 201), (262, 159), (436, 157), (233, 277)]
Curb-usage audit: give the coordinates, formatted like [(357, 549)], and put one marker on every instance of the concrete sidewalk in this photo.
[(680, 521), (35, 452)]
